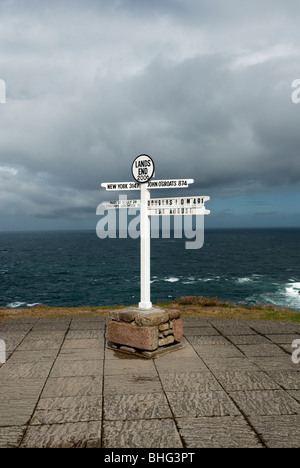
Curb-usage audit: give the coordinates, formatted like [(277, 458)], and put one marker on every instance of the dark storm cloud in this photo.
[(203, 87)]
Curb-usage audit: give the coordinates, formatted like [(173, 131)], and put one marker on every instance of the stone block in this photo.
[(133, 336), (178, 329), (174, 314), (152, 319), (166, 341), (164, 326), (124, 315)]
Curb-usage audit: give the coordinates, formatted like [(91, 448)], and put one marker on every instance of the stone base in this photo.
[(145, 354), (146, 333)]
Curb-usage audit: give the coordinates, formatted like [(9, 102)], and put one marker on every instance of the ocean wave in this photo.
[(292, 290), (18, 305), (246, 279), (15, 305), (283, 295), (172, 280)]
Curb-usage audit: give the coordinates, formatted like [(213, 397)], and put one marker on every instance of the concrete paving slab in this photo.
[(269, 328), (233, 385), (125, 367), (196, 404), (196, 322), (11, 437), (295, 394), (40, 334), (278, 431), (243, 380), (200, 331), (12, 339), (72, 386), (34, 356), (227, 351), (84, 334), (136, 406), (218, 432), (69, 435), (198, 340), (265, 402), (283, 339), (25, 370), (49, 326), (73, 368), (203, 381), (288, 380), (26, 389), (147, 433), (74, 354), (139, 382), (83, 343), (87, 325), (270, 363), (248, 339), (67, 410), (178, 363), (16, 412), (228, 363), (261, 349), (39, 344), (233, 329)]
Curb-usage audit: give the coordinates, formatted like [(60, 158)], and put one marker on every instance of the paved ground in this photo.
[(233, 385)]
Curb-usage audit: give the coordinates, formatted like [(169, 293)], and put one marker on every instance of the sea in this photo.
[(76, 268)]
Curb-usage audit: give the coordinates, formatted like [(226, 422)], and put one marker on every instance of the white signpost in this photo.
[(143, 170)]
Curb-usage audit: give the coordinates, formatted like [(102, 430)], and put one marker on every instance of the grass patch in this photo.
[(48, 311), (194, 306), (191, 306)]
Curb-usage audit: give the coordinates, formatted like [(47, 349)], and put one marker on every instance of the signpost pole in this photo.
[(145, 249)]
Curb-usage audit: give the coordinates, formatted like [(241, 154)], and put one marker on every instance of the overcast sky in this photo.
[(202, 86)]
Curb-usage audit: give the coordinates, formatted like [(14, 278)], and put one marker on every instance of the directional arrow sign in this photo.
[(178, 206), (152, 184), (183, 210), (121, 185), (164, 206), (171, 183), (109, 205), (188, 203), (194, 201)]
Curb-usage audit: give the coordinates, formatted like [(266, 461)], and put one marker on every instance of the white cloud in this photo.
[(261, 56)]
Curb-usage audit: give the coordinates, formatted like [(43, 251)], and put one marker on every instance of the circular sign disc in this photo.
[(142, 168)]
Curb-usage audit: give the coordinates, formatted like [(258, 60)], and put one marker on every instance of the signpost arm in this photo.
[(145, 249)]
